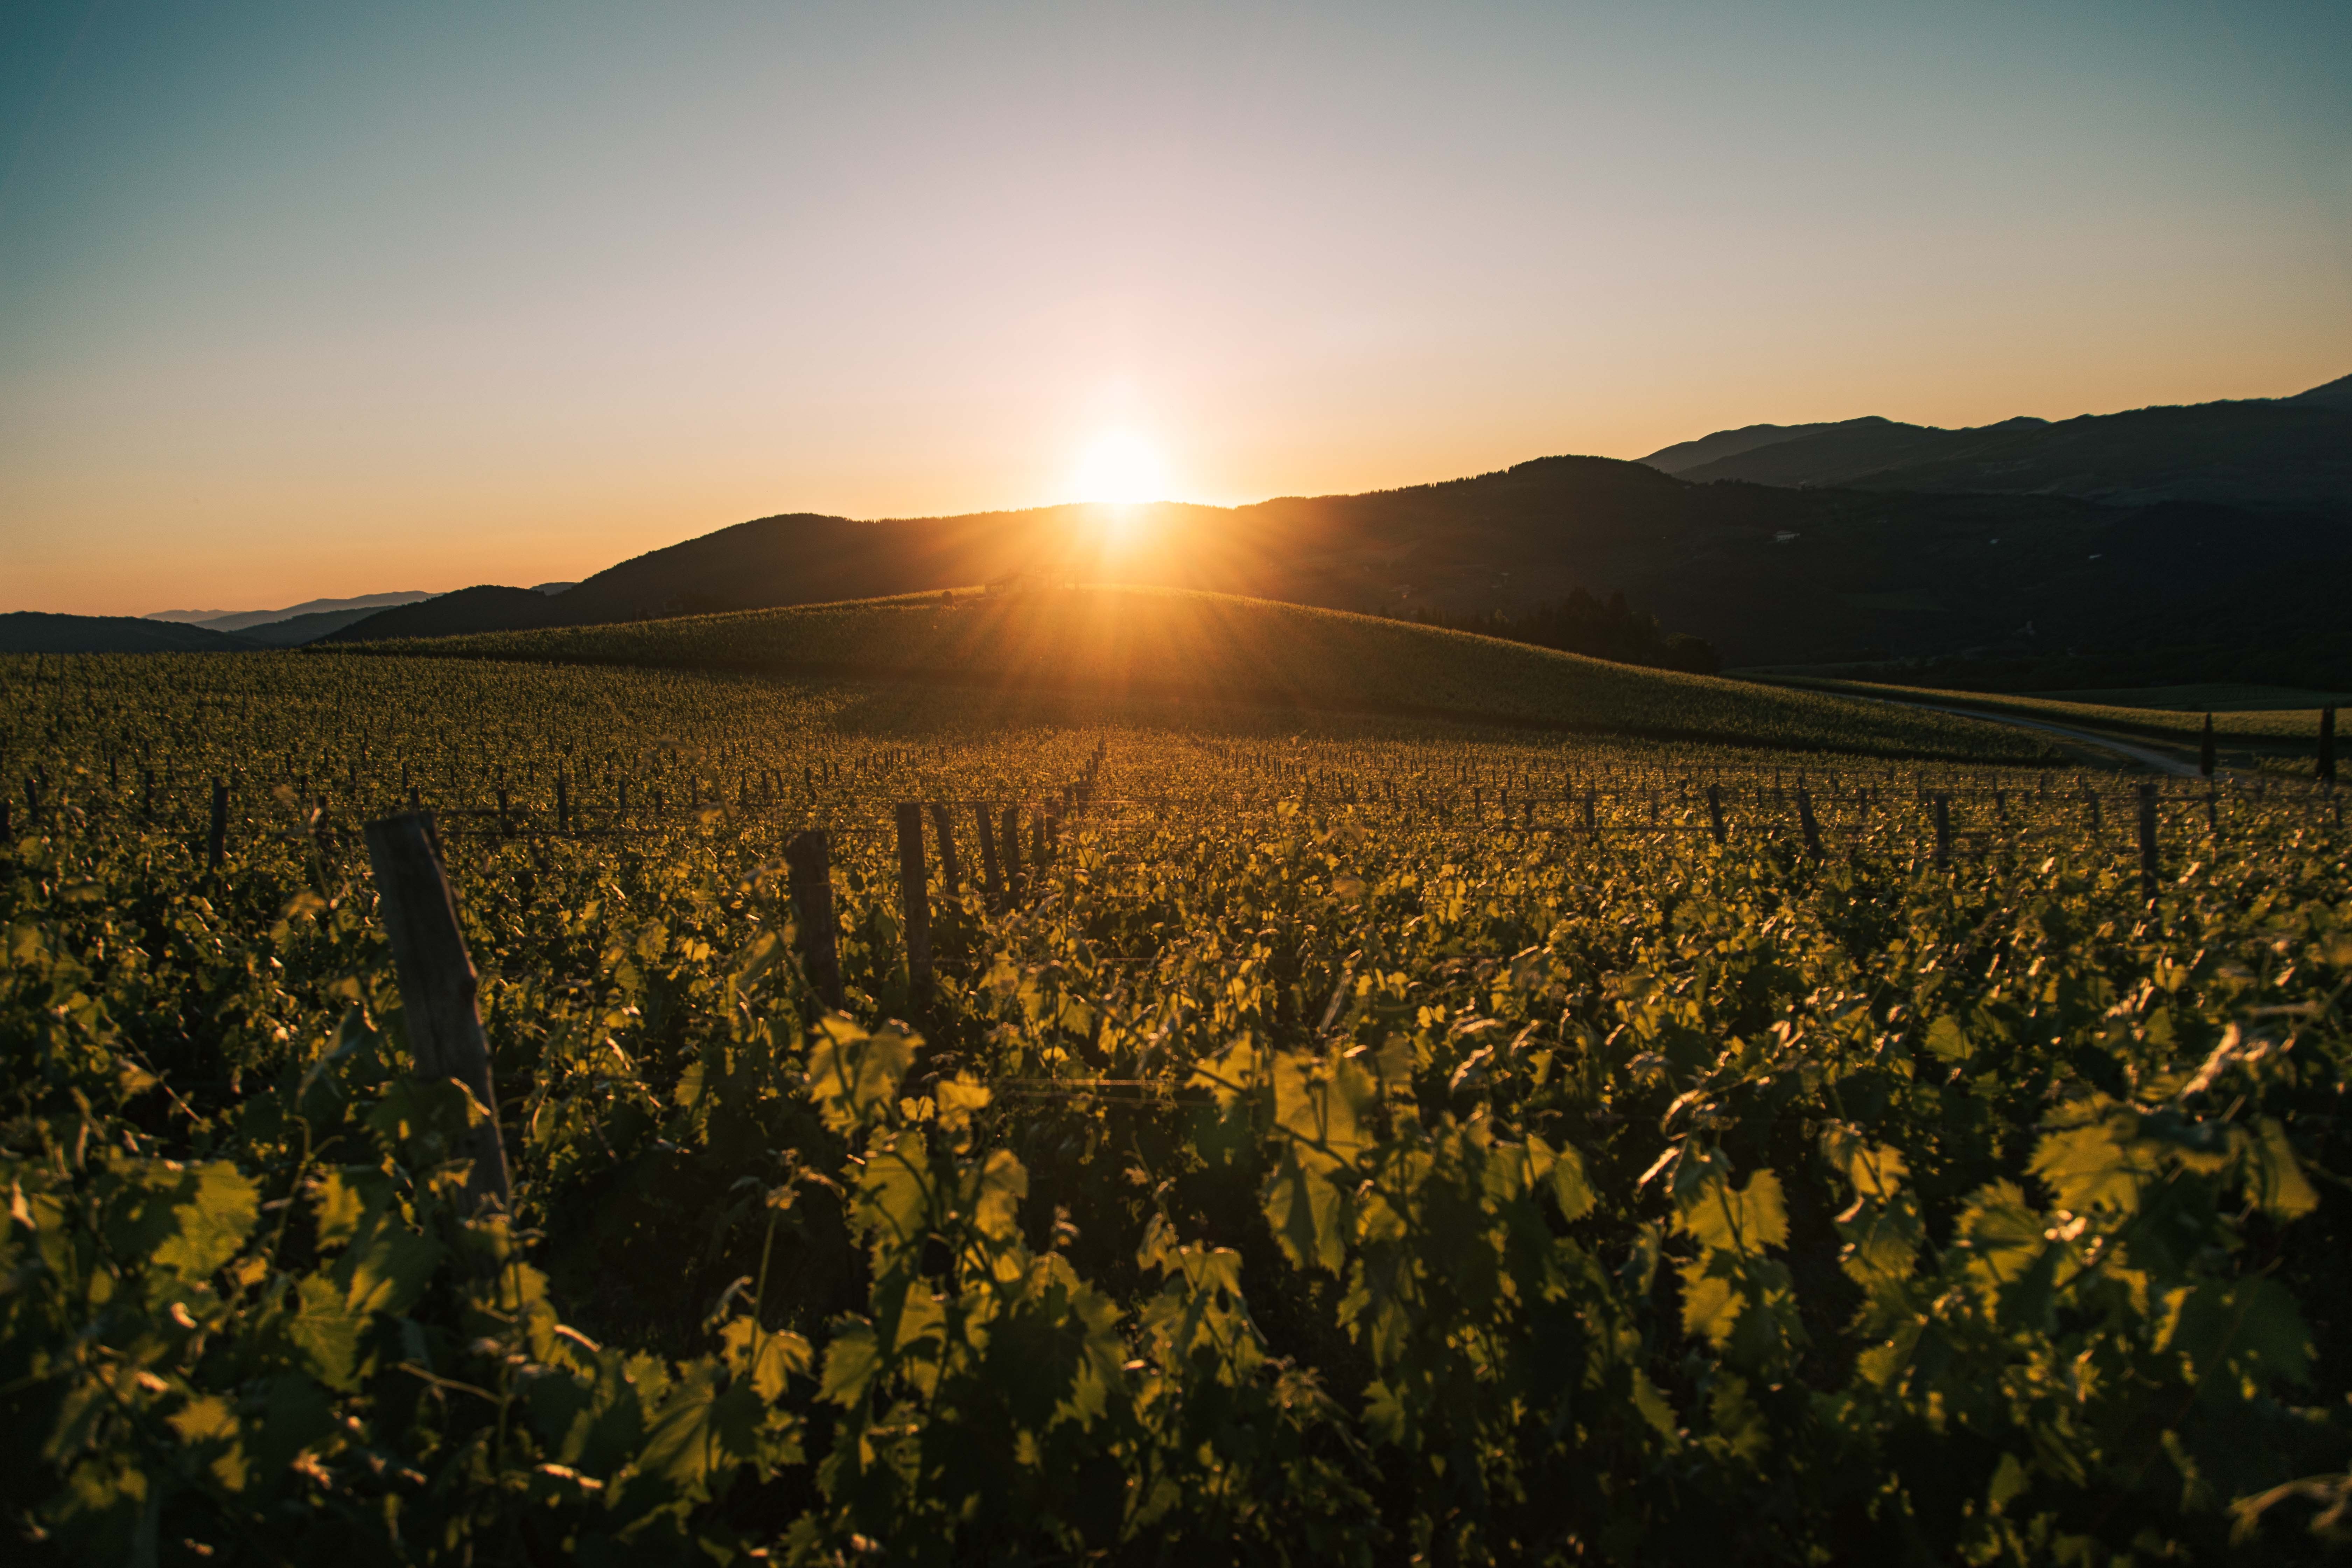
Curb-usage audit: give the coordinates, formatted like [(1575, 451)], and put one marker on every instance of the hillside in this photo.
[(30, 631), (486, 608), (2280, 731), (2290, 454), (1151, 645)]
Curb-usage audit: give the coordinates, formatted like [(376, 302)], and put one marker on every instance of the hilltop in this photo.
[(1153, 645), (2285, 453)]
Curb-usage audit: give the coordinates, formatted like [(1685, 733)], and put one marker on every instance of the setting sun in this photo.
[(1120, 466)]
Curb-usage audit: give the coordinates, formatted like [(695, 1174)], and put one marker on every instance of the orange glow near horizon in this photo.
[(324, 301)]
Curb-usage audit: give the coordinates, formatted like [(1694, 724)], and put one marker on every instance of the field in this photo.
[(2264, 729), (1126, 647), (1341, 1137), (2217, 698)]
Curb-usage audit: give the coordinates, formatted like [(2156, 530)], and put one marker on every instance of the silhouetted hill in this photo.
[(1687, 455), (1830, 565), (1768, 576), (2337, 394), (29, 631), (2292, 453), (240, 620), (295, 630), (480, 609)]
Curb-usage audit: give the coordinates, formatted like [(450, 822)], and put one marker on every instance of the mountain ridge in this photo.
[(2278, 454)]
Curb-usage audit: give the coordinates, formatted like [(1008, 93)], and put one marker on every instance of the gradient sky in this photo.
[(321, 299)]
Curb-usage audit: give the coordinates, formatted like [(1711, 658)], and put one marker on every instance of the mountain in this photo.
[(1769, 575), (29, 631), (239, 620), (1683, 455), (296, 630), (479, 609), (2274, 454), (2337, 394)]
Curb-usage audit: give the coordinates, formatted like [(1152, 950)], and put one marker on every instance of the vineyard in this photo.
[(1213, 1133), (1130, 648)]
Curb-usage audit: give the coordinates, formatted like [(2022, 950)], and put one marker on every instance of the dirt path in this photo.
[(2163, 762)]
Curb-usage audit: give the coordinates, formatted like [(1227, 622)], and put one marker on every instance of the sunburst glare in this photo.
[(1121, 465)]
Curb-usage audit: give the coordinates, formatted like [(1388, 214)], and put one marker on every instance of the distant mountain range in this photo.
[(2286, 453), (241, 620), (2221, 527)]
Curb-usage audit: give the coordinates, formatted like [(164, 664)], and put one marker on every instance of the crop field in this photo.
[(2265, 727), (1130, 646), (1313, 1137)]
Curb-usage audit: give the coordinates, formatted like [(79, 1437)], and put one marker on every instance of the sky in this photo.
[(321, 299)]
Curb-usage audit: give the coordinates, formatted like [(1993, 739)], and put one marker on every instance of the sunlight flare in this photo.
[(1120, 466)]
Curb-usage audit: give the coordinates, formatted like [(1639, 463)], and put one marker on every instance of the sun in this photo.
[(1119, 466)]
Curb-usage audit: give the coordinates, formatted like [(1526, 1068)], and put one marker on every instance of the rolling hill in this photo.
[(1149, 646), (479, 609), (1769, 575), (30, 631)]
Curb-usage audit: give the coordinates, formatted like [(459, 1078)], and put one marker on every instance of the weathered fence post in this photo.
[(808, 862), (2205, 749), (1942, 808), (1715, 812), (216, 842), (437, 985), (950, 874), (2148, 839), (991, 875), (1805, 820), (562, 806), (2327, 745), (1016, 885), (914, 897)]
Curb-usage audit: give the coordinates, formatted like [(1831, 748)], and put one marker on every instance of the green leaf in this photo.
[(2100, 1164), (852, 1075), (851, 1361), (209, 1230), (2280, 1185), (1306, 1213), (1948, 1042), (326, 1334)]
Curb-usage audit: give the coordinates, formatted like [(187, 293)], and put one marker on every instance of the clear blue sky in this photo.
[(299, 301)]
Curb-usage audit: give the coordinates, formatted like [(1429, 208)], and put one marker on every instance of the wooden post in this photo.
[(2091, 796), (808, 861), (2205, 749), (914, 897), (1942, 806), (950, 874), (2327, 745), (216, 843), (146, 795), (1591, 828), (1805, 820), (1016, 887), (437, 985), (990, 871), (2148, 863), (1715, 812), (2213, 813), (562, 806)]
